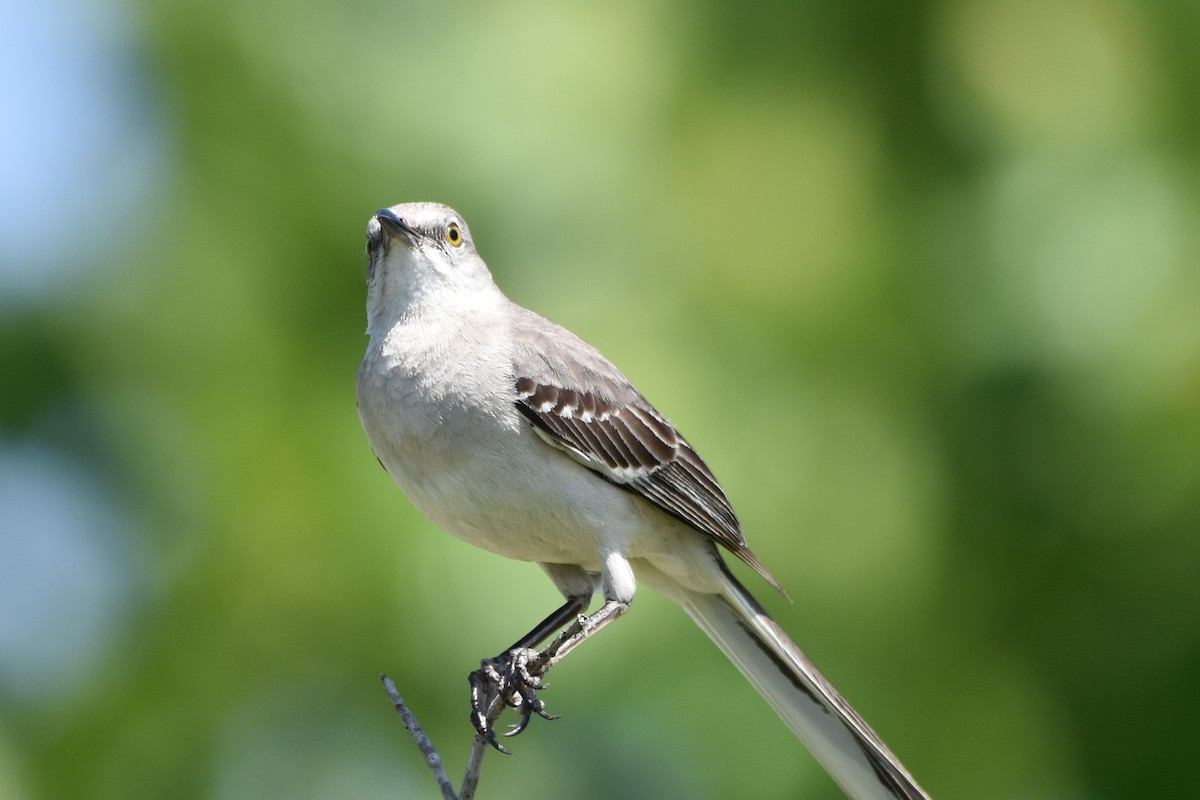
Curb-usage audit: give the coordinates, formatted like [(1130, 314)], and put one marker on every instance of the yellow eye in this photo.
[(454, 235)]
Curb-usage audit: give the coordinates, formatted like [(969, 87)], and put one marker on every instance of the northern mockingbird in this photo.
[(515, 435)]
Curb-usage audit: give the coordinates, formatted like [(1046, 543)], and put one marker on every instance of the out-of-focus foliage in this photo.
[(921, 281)]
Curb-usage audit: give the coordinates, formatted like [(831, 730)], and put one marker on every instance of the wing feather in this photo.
[(582, 404), (636, 449)]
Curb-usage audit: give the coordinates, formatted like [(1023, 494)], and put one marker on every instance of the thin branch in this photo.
[(541, 664), (432, 759)]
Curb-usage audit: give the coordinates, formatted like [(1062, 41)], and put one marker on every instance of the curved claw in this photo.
[(489, 736), (483, 681), (514, 730), (487, 732), (509, 679)]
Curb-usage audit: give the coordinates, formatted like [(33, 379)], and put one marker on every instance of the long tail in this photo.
[(839, 738)]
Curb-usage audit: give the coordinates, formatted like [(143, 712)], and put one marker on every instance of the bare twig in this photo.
[(432, 759), (479, 747), (544, 660)]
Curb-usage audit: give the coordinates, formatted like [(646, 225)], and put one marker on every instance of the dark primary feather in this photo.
[(584, 405)]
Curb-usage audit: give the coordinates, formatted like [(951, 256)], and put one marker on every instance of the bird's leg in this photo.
[(516, 675), (574, 635), (507, 677)]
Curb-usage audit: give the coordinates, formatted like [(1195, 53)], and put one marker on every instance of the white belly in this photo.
[(507, 492)]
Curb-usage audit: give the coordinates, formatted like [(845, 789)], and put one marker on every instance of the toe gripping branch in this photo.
[(513, 678), (507, 681)]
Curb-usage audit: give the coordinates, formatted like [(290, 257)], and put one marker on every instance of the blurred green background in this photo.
[(921, 282)]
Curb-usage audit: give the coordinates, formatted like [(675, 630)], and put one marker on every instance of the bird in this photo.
[(513, 434)]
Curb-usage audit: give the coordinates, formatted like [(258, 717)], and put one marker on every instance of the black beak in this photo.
[(393, 225), (384, 227)]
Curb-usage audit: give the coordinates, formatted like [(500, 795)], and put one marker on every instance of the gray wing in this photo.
[(578, 402)]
